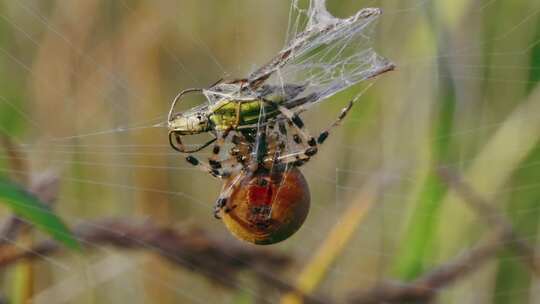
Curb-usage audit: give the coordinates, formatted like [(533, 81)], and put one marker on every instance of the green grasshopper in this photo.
[(226, 114)]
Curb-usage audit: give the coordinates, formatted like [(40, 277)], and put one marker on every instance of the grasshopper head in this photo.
[(189, 123)]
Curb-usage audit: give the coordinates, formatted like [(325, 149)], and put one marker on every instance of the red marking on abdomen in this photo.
[(258, 195)]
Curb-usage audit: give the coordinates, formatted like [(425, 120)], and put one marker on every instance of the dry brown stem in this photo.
[(218, 260)]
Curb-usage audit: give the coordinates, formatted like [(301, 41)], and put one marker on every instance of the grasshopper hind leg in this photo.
[(175, 141)]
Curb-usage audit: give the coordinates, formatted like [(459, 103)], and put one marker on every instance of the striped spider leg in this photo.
[(222, 203), (240, 156), (176, 143), (302, 137), (217, 163), (215, 167), (236, 162)]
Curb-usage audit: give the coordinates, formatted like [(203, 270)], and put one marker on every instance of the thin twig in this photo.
[(16, 159), (493, 217)]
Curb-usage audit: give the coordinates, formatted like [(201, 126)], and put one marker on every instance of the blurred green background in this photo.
[(82, 83)]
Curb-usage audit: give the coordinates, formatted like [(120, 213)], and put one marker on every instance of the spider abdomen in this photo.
[(266, 208)]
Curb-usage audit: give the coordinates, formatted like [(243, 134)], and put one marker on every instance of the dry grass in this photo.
[(83, 82)]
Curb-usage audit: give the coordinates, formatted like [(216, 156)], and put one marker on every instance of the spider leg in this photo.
[(259, 145), (222, 203), (261, 149), (241, 151), (240, 154), (301, 137), (300, 157), (214, 160), (324, 134), (205, 167)]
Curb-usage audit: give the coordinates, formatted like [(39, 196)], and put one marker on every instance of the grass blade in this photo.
[(30, 208)]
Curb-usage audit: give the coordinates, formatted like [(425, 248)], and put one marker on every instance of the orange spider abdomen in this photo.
[(266, 208)]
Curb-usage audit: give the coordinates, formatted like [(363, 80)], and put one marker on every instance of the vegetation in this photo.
[(429, 189)]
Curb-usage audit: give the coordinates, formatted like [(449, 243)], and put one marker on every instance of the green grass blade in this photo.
[(418, 242), (534, 73), (513, 278), (493, 167), (30, 208), (523, 210)]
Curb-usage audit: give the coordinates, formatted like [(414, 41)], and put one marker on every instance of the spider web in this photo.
[(94, 126), (327, 56)]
